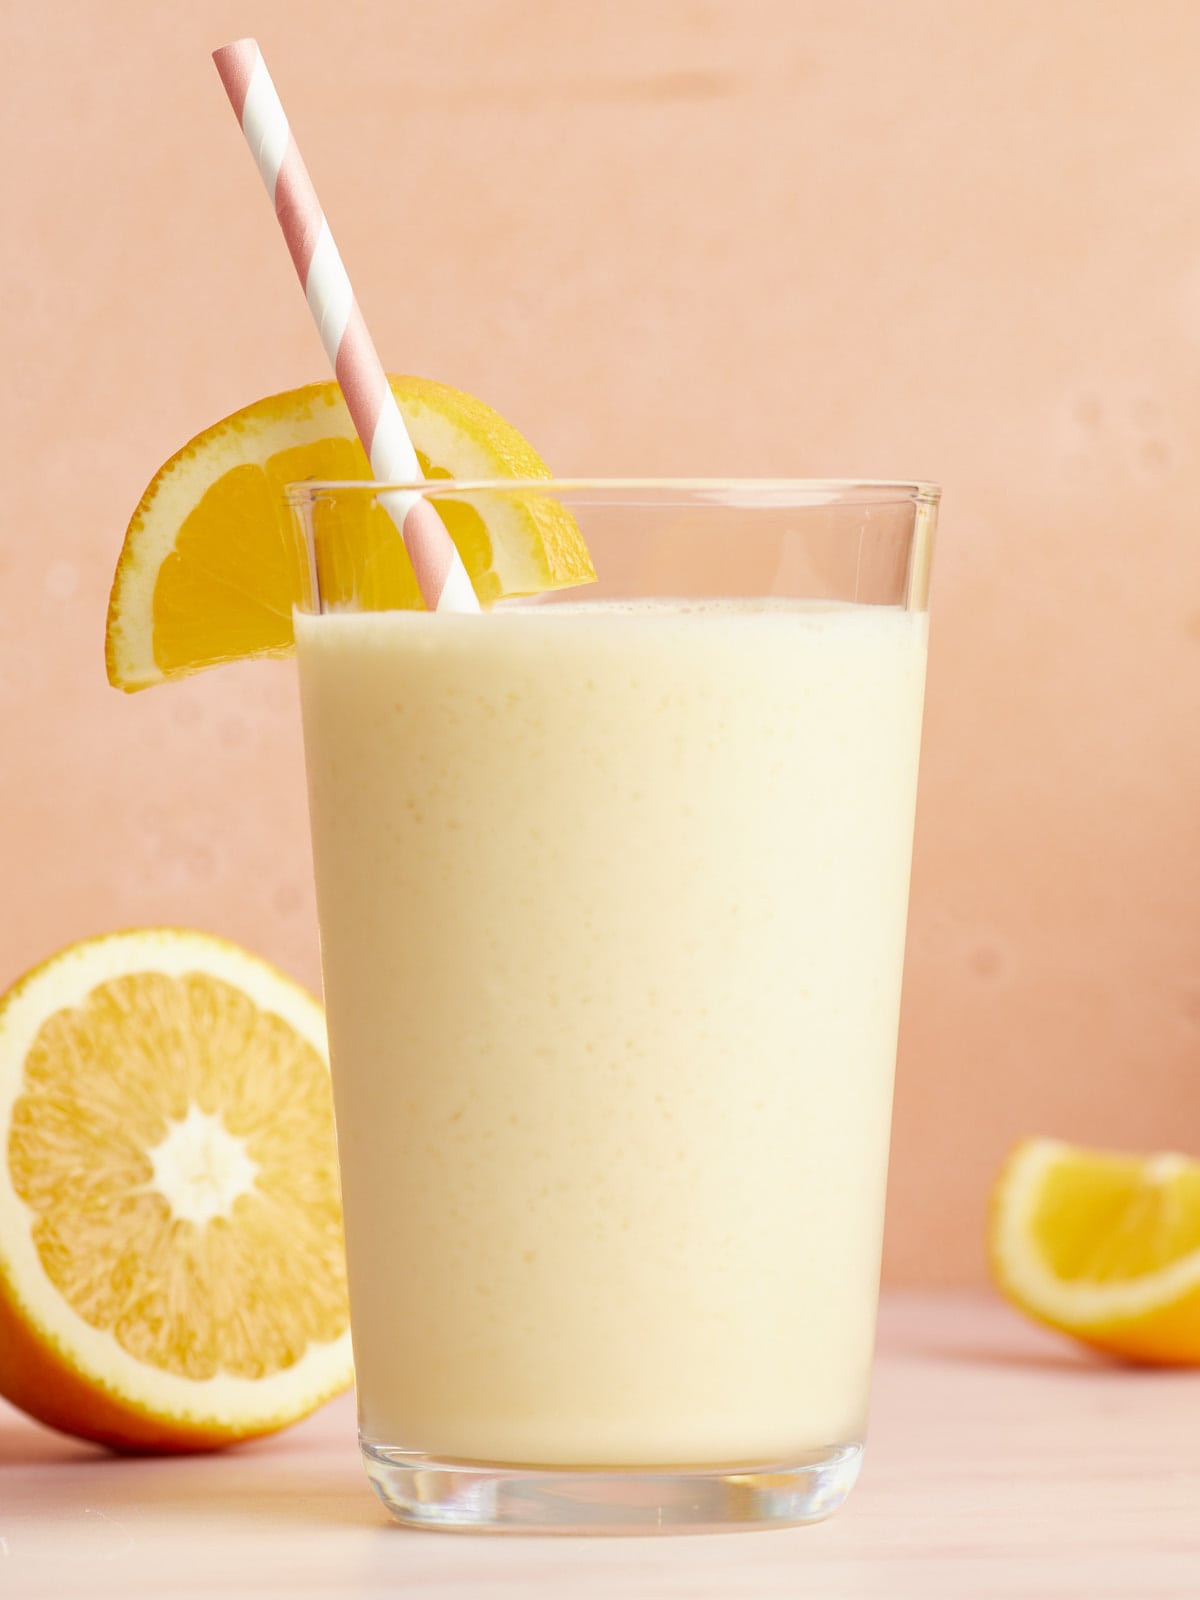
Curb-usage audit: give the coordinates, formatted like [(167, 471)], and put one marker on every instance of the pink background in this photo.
[(835, 237)]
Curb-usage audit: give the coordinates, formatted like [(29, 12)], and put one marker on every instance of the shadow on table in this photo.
[(998, 1355), (124, 1491), (27, 1444), (1027, 1348), (86, 1481), (985, 1331)]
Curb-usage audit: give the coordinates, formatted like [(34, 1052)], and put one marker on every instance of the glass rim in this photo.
[(733, 492)]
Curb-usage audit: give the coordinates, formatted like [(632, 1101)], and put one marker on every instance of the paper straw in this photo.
[(441, 576)]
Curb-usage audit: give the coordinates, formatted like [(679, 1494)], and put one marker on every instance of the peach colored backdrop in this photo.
[(878, 237)]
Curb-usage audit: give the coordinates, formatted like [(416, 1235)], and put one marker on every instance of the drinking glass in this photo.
[(612, 886)]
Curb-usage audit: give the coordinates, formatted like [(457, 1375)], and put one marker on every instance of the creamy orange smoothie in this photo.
[(612, 903)]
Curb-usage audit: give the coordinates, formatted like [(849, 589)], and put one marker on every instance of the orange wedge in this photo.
[(171, 1261), (1104, 1247), (212, 566)]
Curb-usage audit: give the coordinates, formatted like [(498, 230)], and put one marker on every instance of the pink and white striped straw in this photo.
[(442, 578)]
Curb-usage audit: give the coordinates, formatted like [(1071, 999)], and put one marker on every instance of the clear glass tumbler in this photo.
[(612, 888)]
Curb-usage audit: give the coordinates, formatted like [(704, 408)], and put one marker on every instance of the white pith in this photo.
[(200, 1168)]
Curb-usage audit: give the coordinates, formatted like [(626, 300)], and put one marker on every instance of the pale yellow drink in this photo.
[(612, 907)]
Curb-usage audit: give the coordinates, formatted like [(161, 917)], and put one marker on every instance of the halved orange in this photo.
[(211, 566), (172, 1270), (1103, 1246)]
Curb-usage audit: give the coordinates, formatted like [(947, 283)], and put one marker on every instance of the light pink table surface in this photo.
[(1001, 1464)]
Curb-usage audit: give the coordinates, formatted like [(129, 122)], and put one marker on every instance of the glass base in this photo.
[(472, 1497)]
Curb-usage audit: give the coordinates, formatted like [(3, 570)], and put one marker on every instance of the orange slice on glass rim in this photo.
[(211, 565)]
